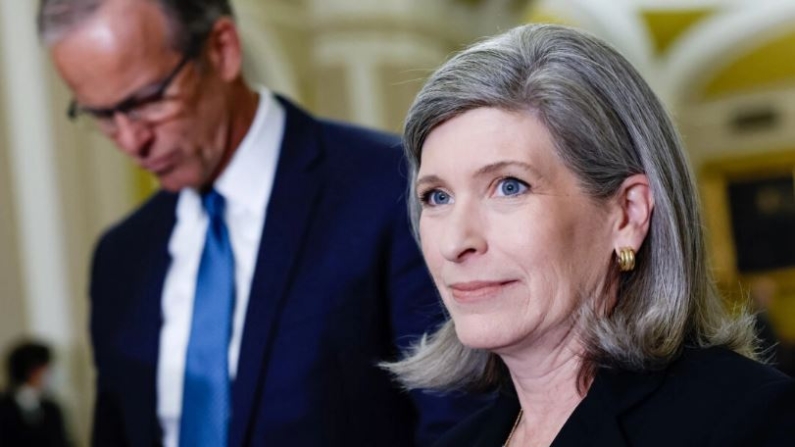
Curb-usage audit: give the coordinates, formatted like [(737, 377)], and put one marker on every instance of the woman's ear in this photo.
[(225, 50), (634, 206)]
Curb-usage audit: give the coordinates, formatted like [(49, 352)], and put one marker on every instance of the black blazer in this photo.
[(339, 285), (708, 397)]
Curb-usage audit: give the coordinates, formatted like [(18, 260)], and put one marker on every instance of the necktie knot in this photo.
[(214, 203)]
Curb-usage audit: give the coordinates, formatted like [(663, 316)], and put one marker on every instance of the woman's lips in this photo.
[(472, 291)]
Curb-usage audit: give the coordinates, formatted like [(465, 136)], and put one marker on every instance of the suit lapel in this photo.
[(154, 261), (296, 188)]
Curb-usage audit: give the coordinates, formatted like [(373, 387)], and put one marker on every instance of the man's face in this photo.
[(122, 53)]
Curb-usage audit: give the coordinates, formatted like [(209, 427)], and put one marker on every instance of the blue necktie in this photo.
[(206, 404)]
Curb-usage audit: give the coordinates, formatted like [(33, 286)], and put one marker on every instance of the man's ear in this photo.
[(225, 50), (634, 203)]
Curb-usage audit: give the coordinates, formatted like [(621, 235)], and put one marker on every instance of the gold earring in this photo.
[(626, 259)]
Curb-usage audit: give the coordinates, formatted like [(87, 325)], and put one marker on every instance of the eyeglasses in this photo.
[(150, 109)]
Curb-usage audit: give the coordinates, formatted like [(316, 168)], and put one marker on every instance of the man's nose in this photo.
[(464, 234), (133, 137)]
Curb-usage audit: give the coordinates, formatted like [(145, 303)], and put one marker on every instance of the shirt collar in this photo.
[(242, 183)]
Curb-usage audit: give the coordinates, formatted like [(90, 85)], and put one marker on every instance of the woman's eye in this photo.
[(435, 197), (511, 187)]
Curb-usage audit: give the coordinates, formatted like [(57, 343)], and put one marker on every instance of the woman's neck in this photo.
[(547, 382)]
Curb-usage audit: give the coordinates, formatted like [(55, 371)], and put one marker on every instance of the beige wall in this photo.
[(12, 311)]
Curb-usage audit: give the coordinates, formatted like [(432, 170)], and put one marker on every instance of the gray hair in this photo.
[(191, 20), (607, 125)]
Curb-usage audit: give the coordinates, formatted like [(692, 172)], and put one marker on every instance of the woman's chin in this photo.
[(481, 336)]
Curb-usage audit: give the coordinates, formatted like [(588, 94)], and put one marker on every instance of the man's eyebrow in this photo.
[(145, 91), (142, 93), (148, 90)]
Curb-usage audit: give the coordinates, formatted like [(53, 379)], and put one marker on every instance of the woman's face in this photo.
[(512, 242)]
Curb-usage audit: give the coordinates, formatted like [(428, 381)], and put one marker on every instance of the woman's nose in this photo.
[(463, 233)]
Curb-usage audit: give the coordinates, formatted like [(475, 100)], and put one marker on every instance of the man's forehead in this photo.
[(123, 47), (125, 25)]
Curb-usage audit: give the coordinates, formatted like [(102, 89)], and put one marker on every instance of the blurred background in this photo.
[(724, 68)]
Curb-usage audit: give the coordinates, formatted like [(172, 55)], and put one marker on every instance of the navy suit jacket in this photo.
[(339, 285), (707, 398)]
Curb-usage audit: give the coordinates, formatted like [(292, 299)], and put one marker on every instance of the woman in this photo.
[(560, 223)]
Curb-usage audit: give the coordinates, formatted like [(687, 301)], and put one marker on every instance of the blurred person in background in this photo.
[(28, 416), (560, 222), (248, 301)]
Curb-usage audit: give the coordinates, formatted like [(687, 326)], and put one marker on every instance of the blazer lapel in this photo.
[(496, 429), (296, 188), (596, 421)]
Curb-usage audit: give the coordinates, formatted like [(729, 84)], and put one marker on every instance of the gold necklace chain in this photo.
[(515, 424)]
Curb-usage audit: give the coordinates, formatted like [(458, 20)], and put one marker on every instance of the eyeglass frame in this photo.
[(126, 106)]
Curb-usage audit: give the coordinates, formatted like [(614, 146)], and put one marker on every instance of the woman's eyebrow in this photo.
[(483, 171), (500, 165), (428, 179)]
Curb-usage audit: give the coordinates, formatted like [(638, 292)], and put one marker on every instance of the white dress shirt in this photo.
[(246, 185)]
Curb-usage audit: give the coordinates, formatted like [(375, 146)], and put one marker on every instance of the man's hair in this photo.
[(190, 20), (607, 125), (25, 359)]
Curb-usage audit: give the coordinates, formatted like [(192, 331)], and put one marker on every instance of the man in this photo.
[(28, 417), (248, 302)]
